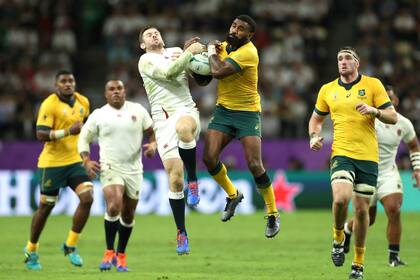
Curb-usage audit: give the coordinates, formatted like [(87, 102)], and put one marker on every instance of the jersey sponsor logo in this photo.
[(362, 92), (133, 118), (334, 164), (348, 94), (45, 117)]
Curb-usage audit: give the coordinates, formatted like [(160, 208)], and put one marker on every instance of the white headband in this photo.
[(350, 52)]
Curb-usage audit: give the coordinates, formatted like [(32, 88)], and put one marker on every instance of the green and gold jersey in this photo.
[(239, 91), (354, 134), (56, 114)]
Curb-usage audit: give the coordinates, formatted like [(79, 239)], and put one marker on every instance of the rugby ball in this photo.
[(199, 64)]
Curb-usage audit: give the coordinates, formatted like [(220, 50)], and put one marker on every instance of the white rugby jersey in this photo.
[(166, 95), (389, 138), (119, 134)]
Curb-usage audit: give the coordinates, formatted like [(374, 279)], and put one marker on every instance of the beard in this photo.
[(235, 42)]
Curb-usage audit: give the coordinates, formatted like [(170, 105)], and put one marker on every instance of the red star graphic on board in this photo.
[(285, 192)]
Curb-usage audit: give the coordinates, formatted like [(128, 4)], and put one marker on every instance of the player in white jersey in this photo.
[(176, 118), (118, 126), (390, 189)]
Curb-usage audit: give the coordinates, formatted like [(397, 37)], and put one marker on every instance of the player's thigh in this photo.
[(247, 124), (214, 142), (79, 181), (167, 139), (389, 183), (51, 179), (342, 174), (223, 121), (366, 180), (133, 185)]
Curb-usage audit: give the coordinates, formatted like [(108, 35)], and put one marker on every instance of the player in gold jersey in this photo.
[(60, 119), (354, 101), (238, 115)]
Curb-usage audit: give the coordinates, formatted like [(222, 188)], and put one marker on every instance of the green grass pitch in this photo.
[(233, 250)]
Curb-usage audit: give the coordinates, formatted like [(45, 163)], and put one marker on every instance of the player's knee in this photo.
[(184, 132), (47, 202), (113, 209), (361, 212), (341, 201), (393, 210), (255, 167)]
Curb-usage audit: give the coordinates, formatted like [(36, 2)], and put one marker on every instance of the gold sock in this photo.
[(338, 235), (72, 239), (269, 199), (359, 255), (223, 180), (32, 247)]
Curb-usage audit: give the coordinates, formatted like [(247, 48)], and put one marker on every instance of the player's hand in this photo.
[(196, 48), (365, 109), (217, 44), (316, 142), (191, 41), (92, 168), (416, 177), (150, 149), (75, 128)]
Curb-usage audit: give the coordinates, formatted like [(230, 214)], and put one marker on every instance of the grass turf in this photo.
[(233, 250)]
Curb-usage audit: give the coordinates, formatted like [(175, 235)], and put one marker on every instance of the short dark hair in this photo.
[(147, 27), (389, 88), (251, 22), (62, 72)]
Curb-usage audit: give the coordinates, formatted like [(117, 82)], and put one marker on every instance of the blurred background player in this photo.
[(390, 188), (238, 115), (176, 118), (59, 122), (354, 101), (119, 127)]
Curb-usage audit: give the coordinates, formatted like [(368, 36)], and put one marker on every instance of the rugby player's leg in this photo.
[(252, 150), (215, 142), (392, 205), (113, 195), (342, 188), (186, 128), (175, 170), (126, 227), (84, 189)]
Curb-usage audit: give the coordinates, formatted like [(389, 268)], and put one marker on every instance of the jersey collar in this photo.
[(69, 102), (349, 85)]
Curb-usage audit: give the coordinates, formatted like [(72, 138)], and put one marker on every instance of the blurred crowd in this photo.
[(39, 37)]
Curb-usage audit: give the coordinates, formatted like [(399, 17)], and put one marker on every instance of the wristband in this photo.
[(211, 49), (415, 160), (58, 134)]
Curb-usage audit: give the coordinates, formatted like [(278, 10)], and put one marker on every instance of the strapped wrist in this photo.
[(58, 134), (415, 160)]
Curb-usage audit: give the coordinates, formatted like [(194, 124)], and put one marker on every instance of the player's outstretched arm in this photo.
[(314, 129)]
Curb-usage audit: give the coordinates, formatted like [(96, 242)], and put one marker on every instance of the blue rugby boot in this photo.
[(182, 246), (193, 197), (32, 260), (71, 253)]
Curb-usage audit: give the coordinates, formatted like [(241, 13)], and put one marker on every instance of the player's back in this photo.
[(56, 114)]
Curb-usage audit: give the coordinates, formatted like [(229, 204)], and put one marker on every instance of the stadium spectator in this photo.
[(59, 122), (354, 101), (238, 115), (121, 169)]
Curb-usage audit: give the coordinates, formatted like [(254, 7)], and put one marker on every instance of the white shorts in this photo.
[(166, 137), (132, 182), (388, 183)]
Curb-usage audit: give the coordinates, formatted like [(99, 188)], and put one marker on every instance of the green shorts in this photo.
[(236, 123), (365, 171), (51, 179)]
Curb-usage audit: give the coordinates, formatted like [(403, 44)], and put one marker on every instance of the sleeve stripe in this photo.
[(385, 105), (320, 112), (233, 62), (43, 127)]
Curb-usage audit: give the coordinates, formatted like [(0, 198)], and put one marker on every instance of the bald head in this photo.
[(115, 93)]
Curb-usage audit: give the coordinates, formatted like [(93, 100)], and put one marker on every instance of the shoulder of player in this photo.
[(135, 106), (81, 98), (329, 86), (403, 120), (370, 80)]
